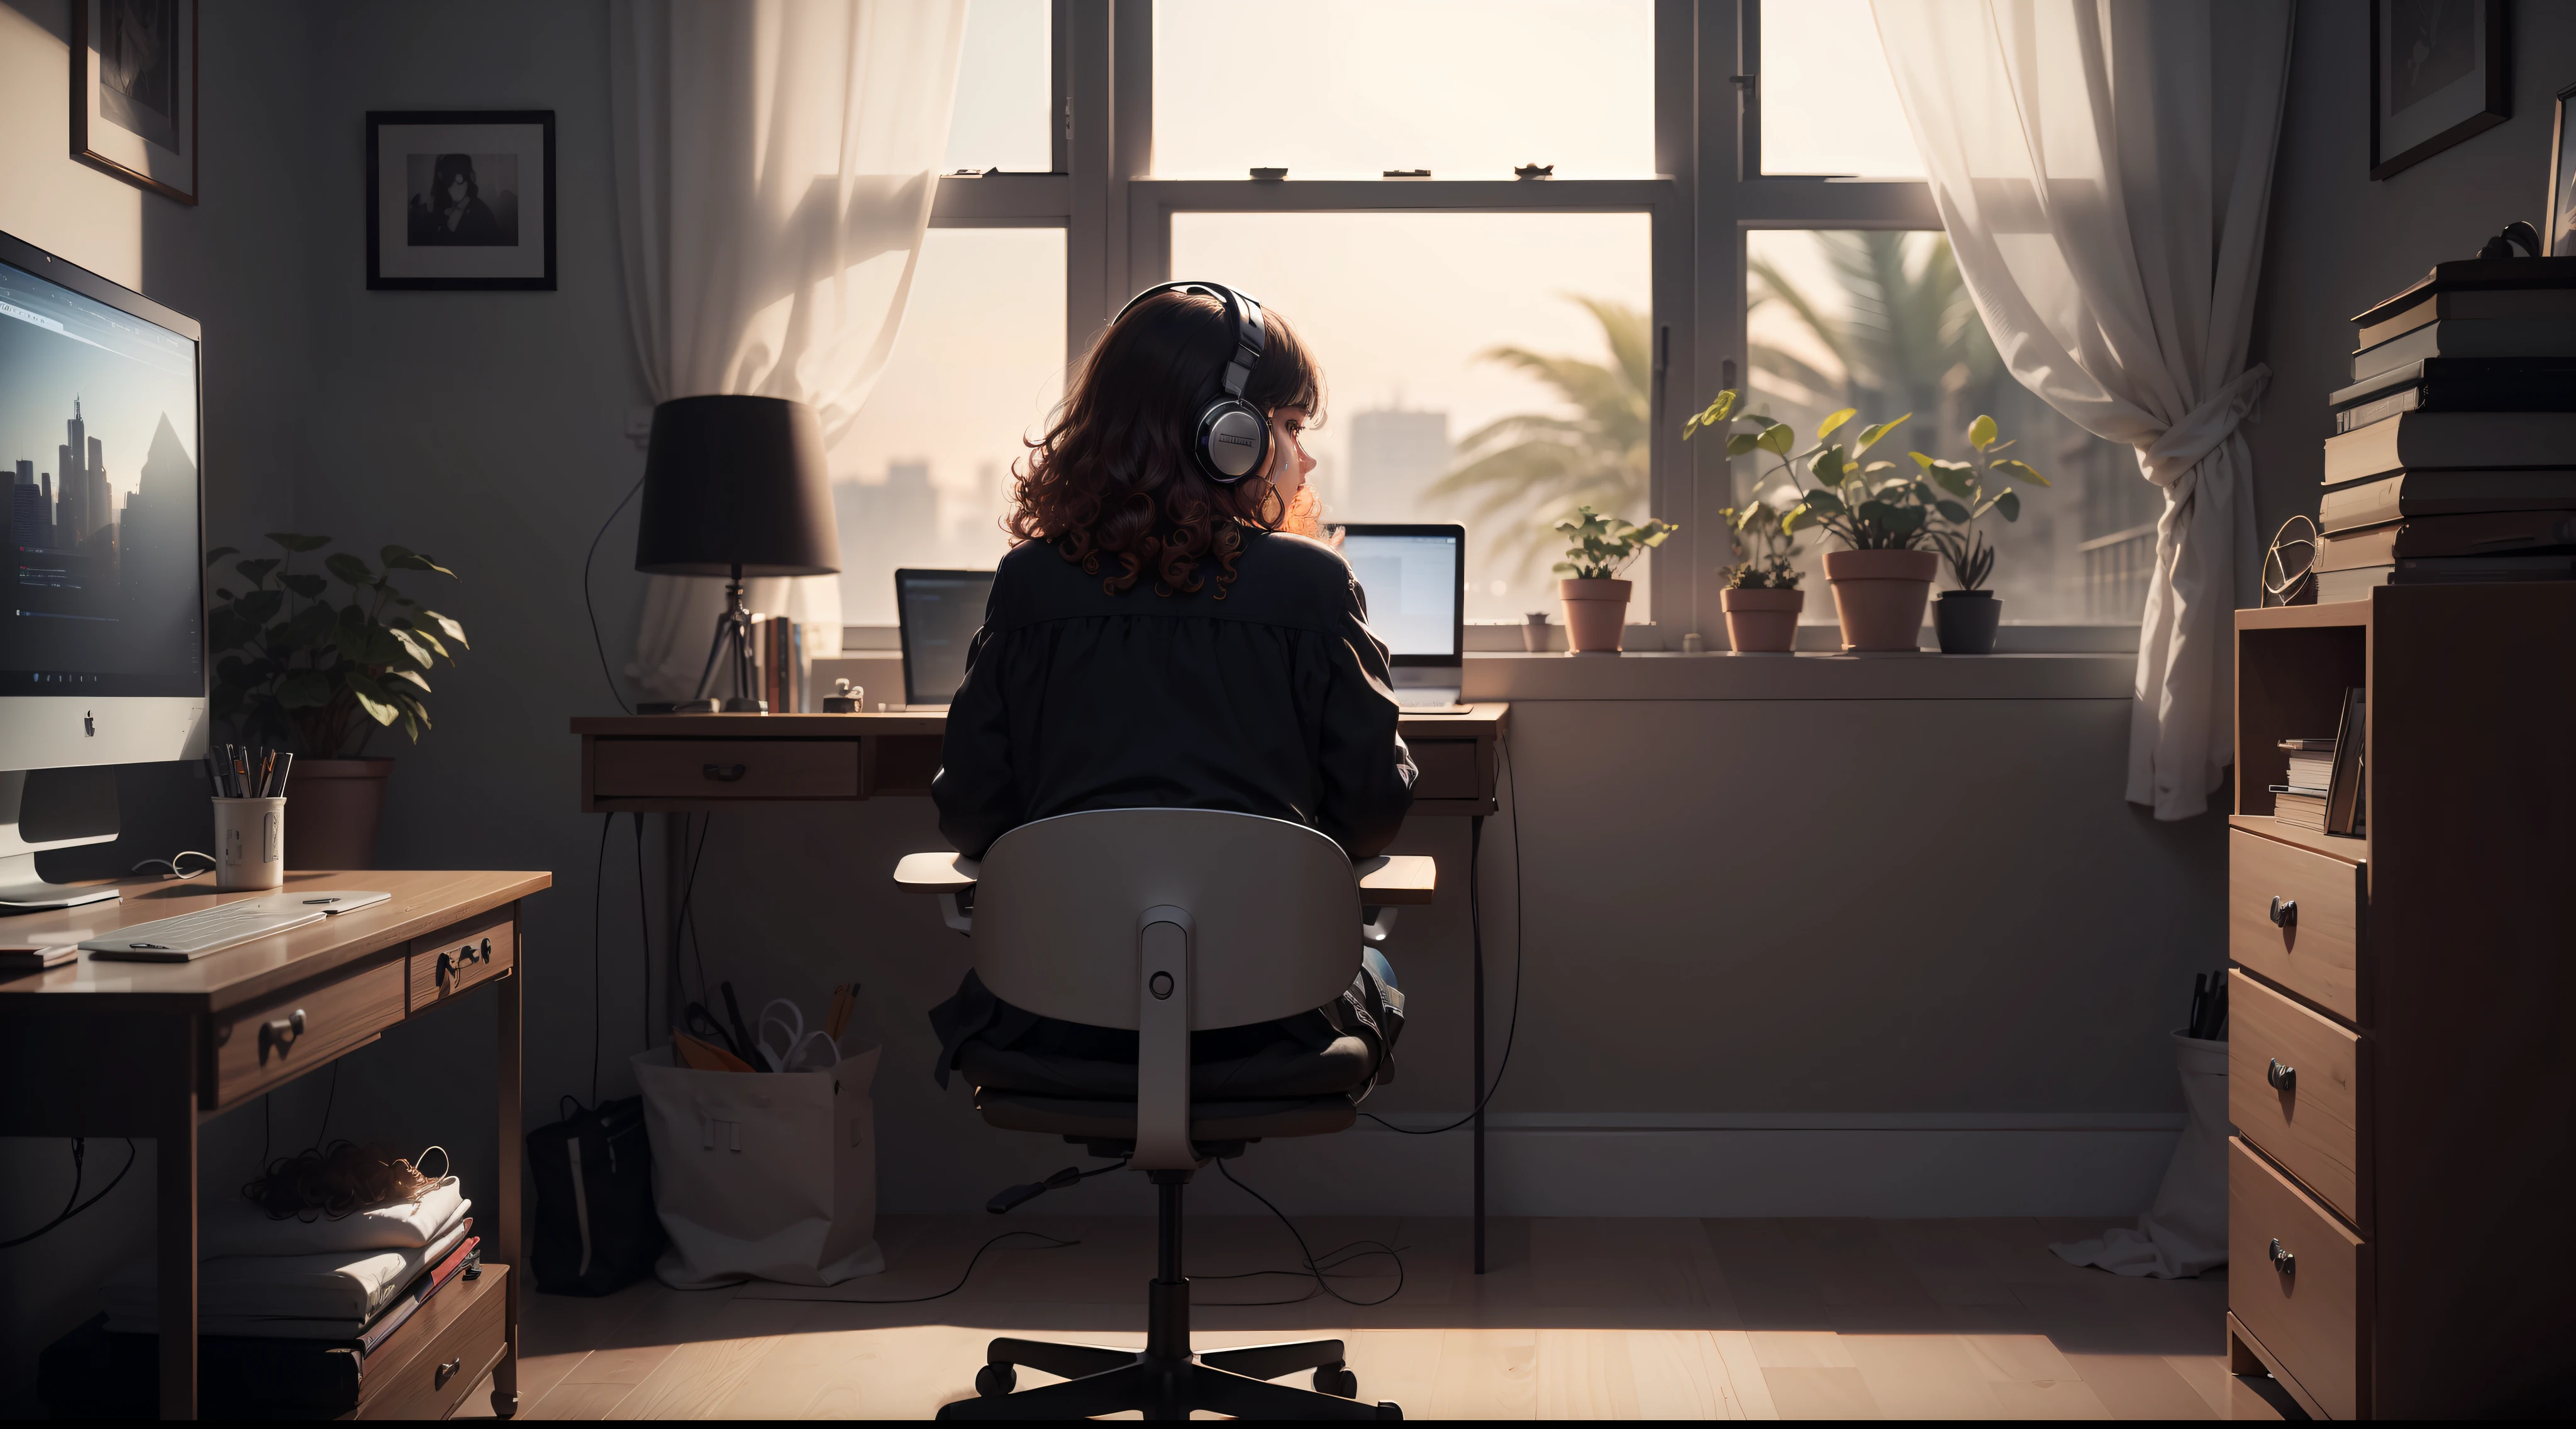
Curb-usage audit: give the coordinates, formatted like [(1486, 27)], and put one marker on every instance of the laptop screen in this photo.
[(1415, 579), (940, 612)]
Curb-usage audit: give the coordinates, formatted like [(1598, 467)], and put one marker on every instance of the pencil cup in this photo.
[(250, 843)]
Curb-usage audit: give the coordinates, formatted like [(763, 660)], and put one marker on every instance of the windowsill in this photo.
[(1720, 675)]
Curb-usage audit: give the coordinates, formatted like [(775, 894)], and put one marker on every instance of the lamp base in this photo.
[(732, 645)]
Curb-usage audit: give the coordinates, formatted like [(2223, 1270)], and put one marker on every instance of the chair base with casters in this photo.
[(1166, 1381), (1167, 922)]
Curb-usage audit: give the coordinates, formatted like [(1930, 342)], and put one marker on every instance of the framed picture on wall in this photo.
[(134, 92), (2438, 74), (2558, 233), (461, 199)]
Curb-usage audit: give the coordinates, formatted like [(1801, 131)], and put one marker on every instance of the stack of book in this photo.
[(780, 671), (2454, 454), (2323, 788)]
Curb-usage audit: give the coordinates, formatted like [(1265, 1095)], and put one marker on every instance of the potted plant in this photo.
[(1965, 619), (1762, 599), (294, 669), (1596, 600)]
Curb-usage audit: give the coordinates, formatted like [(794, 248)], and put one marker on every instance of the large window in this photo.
[(1628, 204), (1500, 395)]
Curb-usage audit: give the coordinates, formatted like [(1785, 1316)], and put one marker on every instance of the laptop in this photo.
[(1415, 578), (939, 613)]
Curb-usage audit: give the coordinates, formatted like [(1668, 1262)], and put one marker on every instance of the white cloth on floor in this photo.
[(237, 1226), (2186, 1232), (341, 1285)]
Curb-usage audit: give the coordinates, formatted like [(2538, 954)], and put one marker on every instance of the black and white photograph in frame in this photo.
[(134, 92), (461, 199), (2438, 74), (2558, 233)]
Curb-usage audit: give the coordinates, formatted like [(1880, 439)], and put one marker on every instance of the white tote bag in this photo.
[(763, 1175)]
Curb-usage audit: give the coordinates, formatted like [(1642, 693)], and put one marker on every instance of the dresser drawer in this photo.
[(278, 1040), (2294, 1089), (2303, 1303), (457, 957), (426, 1368), (725, 769), (2314, 949)]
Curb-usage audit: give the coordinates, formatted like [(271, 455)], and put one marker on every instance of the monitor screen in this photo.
[(940, 612), (1413, 577), (98, 438)]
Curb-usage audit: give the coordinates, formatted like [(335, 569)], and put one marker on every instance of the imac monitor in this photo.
[(1415, 578), (102, 645), (939, 611)]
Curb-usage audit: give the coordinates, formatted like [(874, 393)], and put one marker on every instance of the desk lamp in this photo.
[(734, 487)]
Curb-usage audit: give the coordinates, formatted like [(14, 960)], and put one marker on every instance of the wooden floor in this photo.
[(1734, 1319)]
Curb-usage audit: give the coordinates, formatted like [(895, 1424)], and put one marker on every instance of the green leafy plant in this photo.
[(1854, 502), (1767, 546), (294, 668), (1966, 501), (1600, 547)]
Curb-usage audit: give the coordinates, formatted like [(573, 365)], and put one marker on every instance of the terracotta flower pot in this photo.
[(334, 808), (1762, 621), (1966, 620), (1879, 596), (1596, 614)]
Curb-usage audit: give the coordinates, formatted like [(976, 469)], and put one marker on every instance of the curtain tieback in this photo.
[(2203, 428)]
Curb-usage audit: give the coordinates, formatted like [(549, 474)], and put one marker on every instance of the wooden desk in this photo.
[(161, 1047), (696, 764)]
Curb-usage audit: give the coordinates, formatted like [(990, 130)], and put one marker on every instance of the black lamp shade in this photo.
[(736, 483)]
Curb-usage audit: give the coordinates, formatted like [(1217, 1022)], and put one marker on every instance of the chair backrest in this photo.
[(1272, 920)]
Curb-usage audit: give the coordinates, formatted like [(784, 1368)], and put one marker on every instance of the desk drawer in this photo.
[(2308, 1315), (1446, 768), (426, 1368), (457, 957), (2315, 952), (259, 1048), (2294, 1089), (725, 769)]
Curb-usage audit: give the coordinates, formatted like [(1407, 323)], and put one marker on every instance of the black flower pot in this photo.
[(1966, 620)]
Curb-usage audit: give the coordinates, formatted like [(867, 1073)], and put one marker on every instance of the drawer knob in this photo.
[(446, 968), (447, 1372), (281, 1032), (2284, 912), (2282, 1078), (727, 773), (2282, 1260), (484, 953)]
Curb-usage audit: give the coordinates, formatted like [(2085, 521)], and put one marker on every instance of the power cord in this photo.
[(598, 885), (73, 1205), (596, 644), (644, 922), (1321, 1270), (1520, 960), (170, 866)]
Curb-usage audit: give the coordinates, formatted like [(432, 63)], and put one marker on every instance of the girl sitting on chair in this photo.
[(1158, 638)]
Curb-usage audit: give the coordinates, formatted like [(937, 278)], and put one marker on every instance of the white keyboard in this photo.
[(193, 935)]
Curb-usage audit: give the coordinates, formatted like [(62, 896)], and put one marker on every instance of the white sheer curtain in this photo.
[(776, 161), (2103, 169)]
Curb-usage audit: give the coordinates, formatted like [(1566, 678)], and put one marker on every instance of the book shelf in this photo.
[(2398, 1085)]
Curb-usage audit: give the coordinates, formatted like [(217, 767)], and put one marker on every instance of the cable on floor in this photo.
[(1520, 960), (1356, 1250), (74, 1205), (596, 644)]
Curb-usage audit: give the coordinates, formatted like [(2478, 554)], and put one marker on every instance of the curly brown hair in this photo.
[(1113, 484)]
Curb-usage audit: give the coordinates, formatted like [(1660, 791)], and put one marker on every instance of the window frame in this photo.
[(1707, 194)]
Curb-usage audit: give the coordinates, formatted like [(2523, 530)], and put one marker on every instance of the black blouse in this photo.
[(1274, 700)]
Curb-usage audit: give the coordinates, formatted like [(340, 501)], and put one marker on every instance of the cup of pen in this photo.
[(250, 819)]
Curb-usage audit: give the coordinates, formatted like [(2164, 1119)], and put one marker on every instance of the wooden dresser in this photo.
[(2400, 1078)]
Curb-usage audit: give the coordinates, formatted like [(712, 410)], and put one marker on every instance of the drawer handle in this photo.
[(727, 773), (281, 1032), (448, 1370), (2285, 912), (2282, 1260), (452, 965), (2282, 1078)]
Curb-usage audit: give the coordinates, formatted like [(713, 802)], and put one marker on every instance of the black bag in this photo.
[(596, 1230)]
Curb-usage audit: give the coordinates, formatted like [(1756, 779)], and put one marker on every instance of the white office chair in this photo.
[(1166, 921)]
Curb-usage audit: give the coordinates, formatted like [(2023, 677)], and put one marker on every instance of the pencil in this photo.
[(285, 764)]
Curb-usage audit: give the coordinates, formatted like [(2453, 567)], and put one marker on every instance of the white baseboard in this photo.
[(1902, 1164)]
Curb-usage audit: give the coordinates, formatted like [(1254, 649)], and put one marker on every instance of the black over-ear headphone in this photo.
[(1233, 438)]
